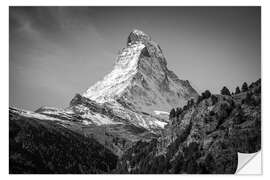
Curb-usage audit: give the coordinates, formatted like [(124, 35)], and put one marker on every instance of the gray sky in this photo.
[(56, 52)]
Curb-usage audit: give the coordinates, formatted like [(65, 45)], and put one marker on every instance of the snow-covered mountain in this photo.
[(140, 90), (139, 86), (141, 80)]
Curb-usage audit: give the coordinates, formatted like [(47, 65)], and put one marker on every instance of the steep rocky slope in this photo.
[(204, 138)]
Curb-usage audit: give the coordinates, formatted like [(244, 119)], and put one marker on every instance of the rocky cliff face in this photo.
[(204, 138)]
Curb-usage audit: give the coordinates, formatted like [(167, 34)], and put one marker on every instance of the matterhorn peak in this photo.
[(137, 36), (145, 45), (140, 80)]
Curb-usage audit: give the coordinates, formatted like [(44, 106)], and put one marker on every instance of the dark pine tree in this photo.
[(244, 87), (172, 113), (178, 112), (206, 94), (214, 99), (252, 85), (225, 91), (185, 107), (191, 101), (237, 90)]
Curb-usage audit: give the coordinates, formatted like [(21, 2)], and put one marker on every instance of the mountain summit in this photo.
[(140, 80)]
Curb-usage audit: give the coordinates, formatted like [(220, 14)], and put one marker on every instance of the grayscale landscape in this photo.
[(142, 117)]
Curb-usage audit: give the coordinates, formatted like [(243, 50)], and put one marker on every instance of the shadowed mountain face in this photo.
[(121, 124)]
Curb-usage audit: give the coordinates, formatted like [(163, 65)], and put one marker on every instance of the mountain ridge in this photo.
[(141, 72)]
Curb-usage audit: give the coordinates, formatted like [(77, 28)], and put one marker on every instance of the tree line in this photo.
[(175, 112)]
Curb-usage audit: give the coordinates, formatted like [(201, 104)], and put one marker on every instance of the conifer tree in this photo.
[(244, 87), (237, 90), (225, 91)]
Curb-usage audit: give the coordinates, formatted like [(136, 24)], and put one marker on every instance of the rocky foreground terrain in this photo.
[(203, 137), (122, 124)]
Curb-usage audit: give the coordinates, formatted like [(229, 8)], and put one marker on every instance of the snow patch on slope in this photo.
[(98, 119), (161, 113), (30, 114)]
